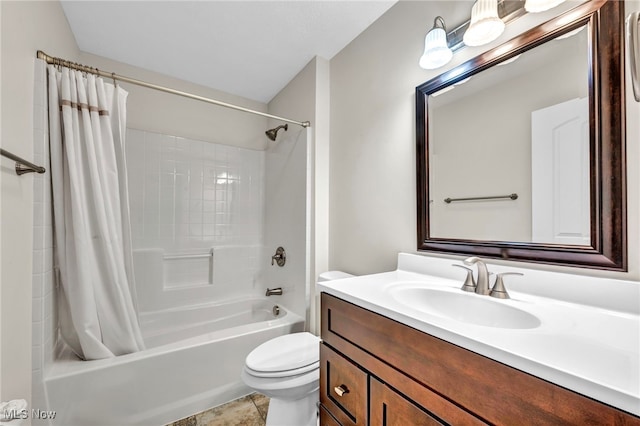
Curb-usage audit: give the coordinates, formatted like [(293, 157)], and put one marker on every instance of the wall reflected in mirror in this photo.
[(521, 126)]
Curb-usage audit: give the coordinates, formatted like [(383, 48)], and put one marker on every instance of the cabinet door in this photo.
[(343, 388), (388, 408)]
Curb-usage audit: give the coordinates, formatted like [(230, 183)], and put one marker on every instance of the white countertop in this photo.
[(588, 347)]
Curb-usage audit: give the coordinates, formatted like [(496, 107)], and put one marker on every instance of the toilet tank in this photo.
[(333, 275)]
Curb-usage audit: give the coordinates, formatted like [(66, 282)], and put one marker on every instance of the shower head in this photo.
[(272, 133)]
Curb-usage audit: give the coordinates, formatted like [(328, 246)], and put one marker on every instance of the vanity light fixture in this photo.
[(436, 50), (488, 20), (535, 6), (485, 25)]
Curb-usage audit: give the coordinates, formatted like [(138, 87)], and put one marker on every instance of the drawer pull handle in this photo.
[(341, 390)]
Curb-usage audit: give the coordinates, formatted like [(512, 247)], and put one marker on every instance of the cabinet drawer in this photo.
[(343, 388), (326, 419)]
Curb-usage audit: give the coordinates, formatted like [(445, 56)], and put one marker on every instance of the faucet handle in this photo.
[(279, 258), (469, 282), (498, 289)]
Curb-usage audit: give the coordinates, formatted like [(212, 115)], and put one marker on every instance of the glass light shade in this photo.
[(535, 6), (485, 25), (436, 50)]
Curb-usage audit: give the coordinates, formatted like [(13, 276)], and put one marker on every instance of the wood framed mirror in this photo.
[(521, 150)]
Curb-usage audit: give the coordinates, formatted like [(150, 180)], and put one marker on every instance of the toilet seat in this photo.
[(284, 373), (285, 356)]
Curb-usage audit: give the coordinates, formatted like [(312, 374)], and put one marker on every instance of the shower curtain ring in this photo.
[(113, 76)]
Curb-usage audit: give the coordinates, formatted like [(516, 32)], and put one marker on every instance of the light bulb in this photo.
[(436, 52), (485, 25), (535, 6)]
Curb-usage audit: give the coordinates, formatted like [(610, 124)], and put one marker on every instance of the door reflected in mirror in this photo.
[(519, 127)]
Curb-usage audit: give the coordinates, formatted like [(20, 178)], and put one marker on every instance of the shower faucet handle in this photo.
[(280, 257)]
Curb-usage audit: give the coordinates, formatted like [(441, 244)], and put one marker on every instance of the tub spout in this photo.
[(274, 291)]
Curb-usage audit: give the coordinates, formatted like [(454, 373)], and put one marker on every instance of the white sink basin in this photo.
[(464, 307)]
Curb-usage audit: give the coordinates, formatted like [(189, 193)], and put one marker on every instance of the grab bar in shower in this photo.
[(188, 256), (495, 197), (183, 256), (22, 166)]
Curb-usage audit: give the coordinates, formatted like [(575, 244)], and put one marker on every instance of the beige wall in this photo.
[(165, 113), (373, 207), (26, 27), (305, 98)]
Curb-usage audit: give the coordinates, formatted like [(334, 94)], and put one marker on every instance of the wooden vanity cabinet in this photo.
[(387, 407), (376, 371)]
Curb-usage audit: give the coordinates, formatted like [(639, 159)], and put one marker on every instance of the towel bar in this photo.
[(22, 166)]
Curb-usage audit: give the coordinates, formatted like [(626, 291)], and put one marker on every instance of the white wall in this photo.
[(26, 27), (373, 195)]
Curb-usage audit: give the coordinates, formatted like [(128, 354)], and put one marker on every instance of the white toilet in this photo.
[(287, 370)]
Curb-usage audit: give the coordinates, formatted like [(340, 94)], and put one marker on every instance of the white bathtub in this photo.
[(192, 362)]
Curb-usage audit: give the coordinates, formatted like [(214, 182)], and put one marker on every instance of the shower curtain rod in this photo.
[(114, 76)]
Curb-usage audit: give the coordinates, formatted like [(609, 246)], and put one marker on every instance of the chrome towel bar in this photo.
[(495, 197), (22, 166)]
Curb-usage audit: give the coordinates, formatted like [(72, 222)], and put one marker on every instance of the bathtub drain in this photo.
[(276, 310)]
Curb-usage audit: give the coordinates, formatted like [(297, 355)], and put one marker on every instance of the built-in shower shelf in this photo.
[(188, 269)]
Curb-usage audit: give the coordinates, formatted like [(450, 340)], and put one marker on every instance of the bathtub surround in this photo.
[(44, 312), (285, 217), (197, 213)]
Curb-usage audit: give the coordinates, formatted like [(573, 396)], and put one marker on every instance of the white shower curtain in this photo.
[(96, 309)]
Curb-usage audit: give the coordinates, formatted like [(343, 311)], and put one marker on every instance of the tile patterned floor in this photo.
[(250, 410)]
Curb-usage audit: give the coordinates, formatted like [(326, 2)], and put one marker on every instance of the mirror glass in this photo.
[(519, 127), (520, 151)]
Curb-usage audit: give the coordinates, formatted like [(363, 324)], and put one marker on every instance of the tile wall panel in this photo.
[(192, 197), (44, 317)]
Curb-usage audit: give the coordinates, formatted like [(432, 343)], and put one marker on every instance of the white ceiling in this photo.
[(247, 48)]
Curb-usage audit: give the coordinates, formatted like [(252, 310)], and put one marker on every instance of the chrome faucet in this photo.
[(274, 291), (482, 283)]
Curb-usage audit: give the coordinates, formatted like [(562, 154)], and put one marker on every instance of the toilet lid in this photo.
[(288, 352)]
